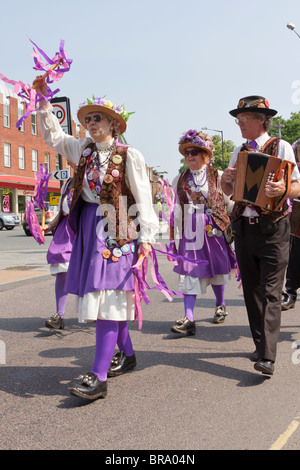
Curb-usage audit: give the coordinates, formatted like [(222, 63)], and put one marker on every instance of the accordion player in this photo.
[(253, 171)]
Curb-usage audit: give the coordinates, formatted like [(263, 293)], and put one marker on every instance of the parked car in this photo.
[(8, 220), (50, 214)]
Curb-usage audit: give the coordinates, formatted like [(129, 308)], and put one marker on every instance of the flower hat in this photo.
[(101, 105), (254, 103), (193, 138)]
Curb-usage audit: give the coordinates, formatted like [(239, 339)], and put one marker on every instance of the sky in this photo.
[(178, 65)]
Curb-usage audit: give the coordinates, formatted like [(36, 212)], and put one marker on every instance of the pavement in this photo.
[(20, 273)]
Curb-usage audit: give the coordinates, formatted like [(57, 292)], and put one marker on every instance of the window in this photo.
[(46, 160), (34, 160), (6, 111), (33, 124), (22, 158), (20, 114), (7, 161)]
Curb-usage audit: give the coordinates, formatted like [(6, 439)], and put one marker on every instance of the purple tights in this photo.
[(110, 333), (190, 300), (60, 293)]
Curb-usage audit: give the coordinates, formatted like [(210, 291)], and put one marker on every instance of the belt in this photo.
[(251, 220)]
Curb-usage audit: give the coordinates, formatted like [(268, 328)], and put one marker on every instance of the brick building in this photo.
[(22, 150)]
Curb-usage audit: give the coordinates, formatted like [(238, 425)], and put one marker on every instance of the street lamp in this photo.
[(291, 26), (221, 132)]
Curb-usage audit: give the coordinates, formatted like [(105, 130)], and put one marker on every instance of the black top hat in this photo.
[(253, 103)]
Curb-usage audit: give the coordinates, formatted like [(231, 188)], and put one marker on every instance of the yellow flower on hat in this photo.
[(109, 104)]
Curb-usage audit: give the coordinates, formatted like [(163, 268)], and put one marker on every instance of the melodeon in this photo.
[(253, 171)]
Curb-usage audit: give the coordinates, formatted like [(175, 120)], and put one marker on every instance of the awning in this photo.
[(12, 181)]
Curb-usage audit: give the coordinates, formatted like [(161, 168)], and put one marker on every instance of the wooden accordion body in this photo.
[(253, 171)]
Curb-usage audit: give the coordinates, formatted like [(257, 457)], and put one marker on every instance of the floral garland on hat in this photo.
[(197, 138), (101, 101)]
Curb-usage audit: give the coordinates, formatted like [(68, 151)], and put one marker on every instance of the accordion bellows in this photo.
[(253, 171)]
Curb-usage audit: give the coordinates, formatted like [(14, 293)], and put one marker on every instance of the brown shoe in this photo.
[(55, 321), (187, 328), (220, 314)]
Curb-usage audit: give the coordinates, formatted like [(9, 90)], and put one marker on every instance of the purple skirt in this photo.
[(93, 266), (203, 240), (62, 242)]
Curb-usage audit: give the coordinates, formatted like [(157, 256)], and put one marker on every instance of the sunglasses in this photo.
[(95, 117), (192, 152)]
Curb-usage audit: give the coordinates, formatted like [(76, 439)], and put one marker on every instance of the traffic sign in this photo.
[(61, 109), (60, 175), (54, 200)]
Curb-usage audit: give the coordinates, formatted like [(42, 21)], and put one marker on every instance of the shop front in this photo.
[(15, 191)]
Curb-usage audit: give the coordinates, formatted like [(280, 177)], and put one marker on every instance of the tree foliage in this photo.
[(290, 130)]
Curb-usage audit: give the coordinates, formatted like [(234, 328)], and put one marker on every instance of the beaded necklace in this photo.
[(93, 168)]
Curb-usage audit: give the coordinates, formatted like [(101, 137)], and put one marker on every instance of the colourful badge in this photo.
[(115, 173), (208, 228), (87, 152), (117, 159), (117, 252), (108, 179), (114, 259), (106, 254), (125, 248)]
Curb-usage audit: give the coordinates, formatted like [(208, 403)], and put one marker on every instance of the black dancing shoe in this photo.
[(187, 327), (121, 363), (55, 321), (288, 301), (220, 314), (266, 367), (91, 387)]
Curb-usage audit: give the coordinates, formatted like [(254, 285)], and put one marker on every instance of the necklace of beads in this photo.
[(93, 168)]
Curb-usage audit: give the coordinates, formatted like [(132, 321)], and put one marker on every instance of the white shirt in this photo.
[(285, 152), (136, 174)]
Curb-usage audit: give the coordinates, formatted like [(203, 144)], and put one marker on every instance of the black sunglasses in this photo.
[(96, 118), (192, 152)]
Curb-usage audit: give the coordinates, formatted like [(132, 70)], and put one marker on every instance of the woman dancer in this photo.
[(113, 217), (202, 219)]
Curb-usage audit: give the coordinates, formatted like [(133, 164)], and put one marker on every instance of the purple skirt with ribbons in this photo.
[(203, 240), (94, 264), (62, 242)]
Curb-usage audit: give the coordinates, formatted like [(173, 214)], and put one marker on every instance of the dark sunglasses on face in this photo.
[(95, 117), (192, 152)]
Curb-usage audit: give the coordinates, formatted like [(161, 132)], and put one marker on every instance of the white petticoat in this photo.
[(58, 268), (194, 285), (117, 305)]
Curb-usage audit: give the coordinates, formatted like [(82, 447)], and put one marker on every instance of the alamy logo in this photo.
[(296, 354), (2, 352)]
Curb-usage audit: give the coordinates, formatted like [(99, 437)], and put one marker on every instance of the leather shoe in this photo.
[(121, 363), (220, 314), (288, 301), (91, 387), (266, 367), (55, 321), (187, 328)]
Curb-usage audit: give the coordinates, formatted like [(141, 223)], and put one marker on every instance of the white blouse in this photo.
[(136, 174)]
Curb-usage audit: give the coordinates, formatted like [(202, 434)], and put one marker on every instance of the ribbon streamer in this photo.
[(54, 70), (38, 199), (141, 285)]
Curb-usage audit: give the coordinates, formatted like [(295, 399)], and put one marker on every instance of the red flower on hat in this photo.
[(267, 103)]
